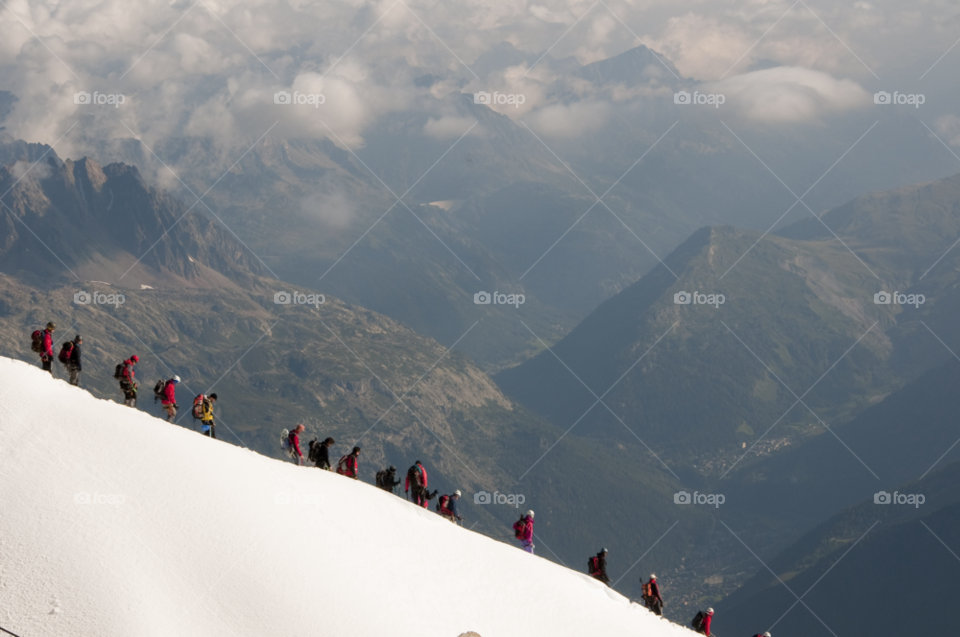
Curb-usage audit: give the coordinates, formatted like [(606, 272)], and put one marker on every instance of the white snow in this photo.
[(115, 523)]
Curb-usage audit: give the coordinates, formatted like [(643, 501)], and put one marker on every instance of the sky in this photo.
[(201, 68)]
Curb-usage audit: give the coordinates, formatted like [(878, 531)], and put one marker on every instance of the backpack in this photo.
[(341, 469), (593, 565), (37, 344), (382, 478), (519, 528), (416, 475), (314, 453), (697, 622), (118, 372), (197, 411), (158, 390), (443, 503), (65, 351), (285, 441), (647, 590)]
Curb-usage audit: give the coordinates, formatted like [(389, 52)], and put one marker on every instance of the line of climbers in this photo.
[(416, 488), (415, 485), (69, 356), (165, 391)]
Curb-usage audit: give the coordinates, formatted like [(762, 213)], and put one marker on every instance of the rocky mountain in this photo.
[(700, 382), (79, 219)]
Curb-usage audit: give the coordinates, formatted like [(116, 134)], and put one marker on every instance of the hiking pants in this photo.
[(74, 376), (418, 495), (656, 606), (47, 364), (527, 546), (211, 431)]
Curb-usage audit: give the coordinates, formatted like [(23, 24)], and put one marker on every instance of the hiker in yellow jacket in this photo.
[(207, 426)]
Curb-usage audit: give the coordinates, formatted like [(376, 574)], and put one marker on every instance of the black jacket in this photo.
[(323, 456), (75, 357), (389, 484)]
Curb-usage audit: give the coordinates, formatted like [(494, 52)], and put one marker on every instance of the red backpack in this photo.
[(65, 351), (594, 565), (198, 407), (37, 345), (344, 468), (443, 504), (520, 528)]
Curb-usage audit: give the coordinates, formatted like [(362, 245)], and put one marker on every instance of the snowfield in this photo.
[(114, 523)]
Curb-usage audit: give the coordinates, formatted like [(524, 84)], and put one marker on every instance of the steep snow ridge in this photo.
[(115, 523)]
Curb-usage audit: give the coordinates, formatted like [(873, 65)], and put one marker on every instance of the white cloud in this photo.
[(570, 121), (789, 94)]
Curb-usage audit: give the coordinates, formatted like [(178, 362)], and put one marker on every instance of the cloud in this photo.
[(569, 121), (789, 94), (948, 128), (330, 204), (447, 127)]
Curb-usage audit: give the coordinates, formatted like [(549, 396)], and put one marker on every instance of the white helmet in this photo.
[(530, 514), (176, 379), (709, 611), (766, 634), (652, 576), (457, 493)]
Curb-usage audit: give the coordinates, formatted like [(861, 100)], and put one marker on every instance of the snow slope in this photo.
[(114, 523)]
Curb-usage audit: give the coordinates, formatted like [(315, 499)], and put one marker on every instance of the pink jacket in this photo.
[(528, 532), (47, 344)]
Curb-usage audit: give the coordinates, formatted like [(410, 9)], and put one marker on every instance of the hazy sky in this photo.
[(211, 68)]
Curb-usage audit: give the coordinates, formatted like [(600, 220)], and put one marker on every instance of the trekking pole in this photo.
[(8, 632)]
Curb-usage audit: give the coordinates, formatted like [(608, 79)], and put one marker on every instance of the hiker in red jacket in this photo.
[(416, 484), (349, 465), (169, 400), (128, 382), (523, 531), (705, 626), (294, 438), (46, 352), (447, 506), (651, 596), (598, 567)]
